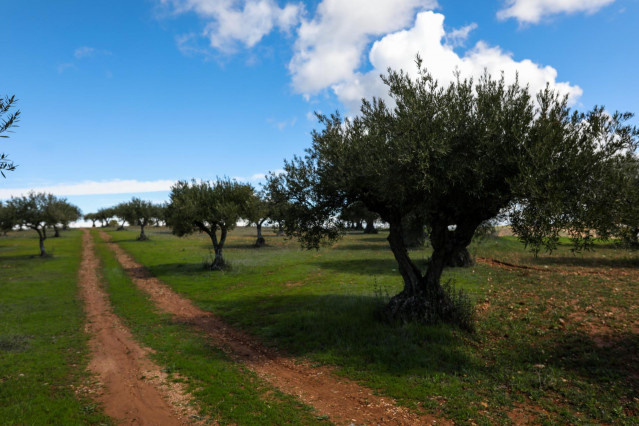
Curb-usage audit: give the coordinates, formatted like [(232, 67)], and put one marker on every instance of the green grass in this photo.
[(536, 348), (224, 390), (43, 349)]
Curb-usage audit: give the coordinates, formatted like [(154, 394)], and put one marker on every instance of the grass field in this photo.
[(43, 349), (557, 342)]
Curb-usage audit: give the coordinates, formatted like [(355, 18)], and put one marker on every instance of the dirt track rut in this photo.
[(133, 390)]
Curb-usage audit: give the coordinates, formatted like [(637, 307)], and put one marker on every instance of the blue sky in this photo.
[(121, 98)]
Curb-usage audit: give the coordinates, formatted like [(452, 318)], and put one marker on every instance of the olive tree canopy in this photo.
[(452, 158), (257, 212), (37, 211), (138, 213), (61, 213), (208, 207)]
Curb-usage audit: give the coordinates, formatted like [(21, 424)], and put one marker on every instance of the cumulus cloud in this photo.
[(239, 21), (93, 188), (533, 11), (330, 46), (428, 38)]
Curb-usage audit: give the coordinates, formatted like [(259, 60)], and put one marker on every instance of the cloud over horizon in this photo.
[(116, 186), (428, 37)]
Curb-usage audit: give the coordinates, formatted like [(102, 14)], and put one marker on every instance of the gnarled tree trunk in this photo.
[(218, 263), (42, 234), (142, 236), (260, 239), (423, 297)]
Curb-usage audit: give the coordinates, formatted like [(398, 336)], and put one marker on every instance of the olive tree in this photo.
[(93, 217), (450, 158), (137, 212), (104, 215), (257, 212), (276, 198), (628, 222), (209, 207), (60, 213), (34, 211), (6, 124)]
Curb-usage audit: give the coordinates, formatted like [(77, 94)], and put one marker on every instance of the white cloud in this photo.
[(93, 188), (458, 37), (533, 11), (330, 46), (428, 38), (239, 21)]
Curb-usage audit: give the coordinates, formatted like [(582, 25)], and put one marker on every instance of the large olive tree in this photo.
[(209, 207), (449, 159)]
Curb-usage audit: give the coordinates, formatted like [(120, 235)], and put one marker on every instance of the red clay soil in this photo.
[(343, 401), (133, 389)]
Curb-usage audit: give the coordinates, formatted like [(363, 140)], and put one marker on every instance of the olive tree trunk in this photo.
[(218, 262), (260, 241), (142, 236), (42, 234), (424, 298)]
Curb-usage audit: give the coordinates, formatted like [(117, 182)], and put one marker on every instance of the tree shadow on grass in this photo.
[(23, 257), (616, 359), (611, 368), (367, 266), (343, 329)]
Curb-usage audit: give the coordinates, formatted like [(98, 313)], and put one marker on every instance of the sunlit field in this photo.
[(556, 340)]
